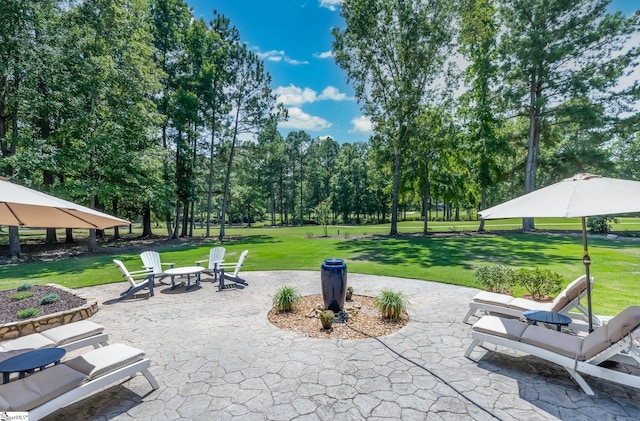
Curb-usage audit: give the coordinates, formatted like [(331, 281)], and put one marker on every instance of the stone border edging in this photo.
[(48, 321)]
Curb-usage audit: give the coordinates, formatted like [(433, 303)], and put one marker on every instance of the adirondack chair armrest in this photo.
[(140, 272), (168, 264), (201, 261)]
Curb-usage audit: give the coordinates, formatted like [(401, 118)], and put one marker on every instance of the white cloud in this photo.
[(292, 95), (332, 93), (325, 137), (330, 4), (279, 55), (299, 120), (362, 125), (324, 54)]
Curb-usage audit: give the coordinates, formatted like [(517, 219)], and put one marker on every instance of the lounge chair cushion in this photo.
[(72, 332), (492, 298), (32, 391), (104, 360), (507, 328), (524, 304), (572, 291), (622, 324), (552, 340), (27, 343)]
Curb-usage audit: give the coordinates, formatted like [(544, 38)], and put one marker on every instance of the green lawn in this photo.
[(453, 260)]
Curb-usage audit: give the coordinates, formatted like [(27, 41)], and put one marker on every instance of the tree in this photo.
[(478, 36), (392, 51), (561, 62), (253, 104)]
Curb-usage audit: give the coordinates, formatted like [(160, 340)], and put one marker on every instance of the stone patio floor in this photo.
[(217, 357)]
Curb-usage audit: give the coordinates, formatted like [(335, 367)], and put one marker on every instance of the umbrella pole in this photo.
[(587, 261)]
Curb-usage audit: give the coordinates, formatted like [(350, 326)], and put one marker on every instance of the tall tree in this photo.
[(478, 37), (392, 51), (252, 103), (562, 60)]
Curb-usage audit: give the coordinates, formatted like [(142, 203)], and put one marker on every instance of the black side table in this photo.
[(549, 317), (29, 361)]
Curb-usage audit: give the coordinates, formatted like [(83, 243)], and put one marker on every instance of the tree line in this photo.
[(136, 108)]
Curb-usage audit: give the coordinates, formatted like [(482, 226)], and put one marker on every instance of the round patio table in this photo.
[(548, 317), (184, 271), (28, 361)]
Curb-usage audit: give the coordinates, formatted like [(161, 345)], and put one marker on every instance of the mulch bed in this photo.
[(366, 323), (9, 307)]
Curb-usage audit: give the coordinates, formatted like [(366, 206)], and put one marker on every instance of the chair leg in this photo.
[(470, 313), (473, 344)]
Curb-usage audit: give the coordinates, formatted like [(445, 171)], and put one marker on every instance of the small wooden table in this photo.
[(28, 361), (549, 317), (184, 271)]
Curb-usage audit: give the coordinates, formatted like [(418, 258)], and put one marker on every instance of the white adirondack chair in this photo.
[(151, 260), (138, 280), (230, 271), (216, 257)]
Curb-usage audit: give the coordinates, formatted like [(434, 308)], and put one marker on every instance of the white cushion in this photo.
[(72, 332), (506, 328), (492, 298), (38, 388), (27, 343), (552, 340), (106, 359), (524, 305)]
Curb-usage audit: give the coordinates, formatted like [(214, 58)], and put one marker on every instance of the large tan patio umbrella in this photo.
[(24, 207), (580, 196)]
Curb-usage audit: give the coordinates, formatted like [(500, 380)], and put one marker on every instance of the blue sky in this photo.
[(294, 39)]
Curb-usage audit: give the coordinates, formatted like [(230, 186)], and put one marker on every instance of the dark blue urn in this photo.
[(334, 284)]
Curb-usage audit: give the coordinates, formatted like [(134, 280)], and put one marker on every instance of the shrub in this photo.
[(600, 224), (392, 304), (22, 295), (27, 312), (285, 298), (25, 287), (495, 278), (540, 283), (326, 318), (49, 299)]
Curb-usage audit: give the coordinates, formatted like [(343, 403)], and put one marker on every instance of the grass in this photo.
[(452, 260)]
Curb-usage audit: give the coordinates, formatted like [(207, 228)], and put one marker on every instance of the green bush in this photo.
[(540, 283), (600, 224), (495, 278), (392, 304), (285, 298), (49, 299), (22, 295), (25, 287), (27, 312)]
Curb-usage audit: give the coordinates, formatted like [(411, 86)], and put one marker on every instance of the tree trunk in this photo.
[(68, 235), (51, 236), (211, 150), (146, 220), (93, 242), (425, 199), (14, 243), (483, 201), (533, 142), (227, 178), (396, 191)]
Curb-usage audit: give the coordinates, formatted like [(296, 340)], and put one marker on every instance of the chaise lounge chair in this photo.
[(151, 260), (232, 275), (567, 300), (70, 336), (578, 355), (53, 388)]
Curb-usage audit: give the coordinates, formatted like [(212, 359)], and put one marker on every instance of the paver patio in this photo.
[(217, 357)]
